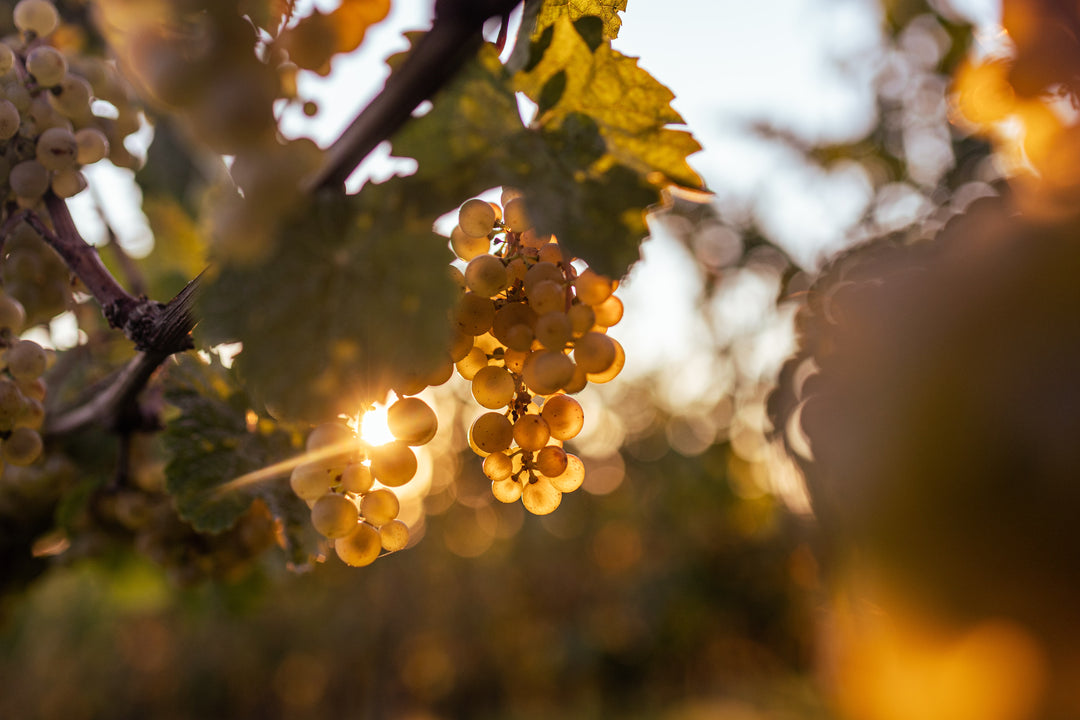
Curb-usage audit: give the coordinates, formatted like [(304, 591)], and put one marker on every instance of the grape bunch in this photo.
[(48, 129), (22, 390), (338, 481), (35, 274), (531, 331)]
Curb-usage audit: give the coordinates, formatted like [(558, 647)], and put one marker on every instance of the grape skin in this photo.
[(394, 536), (26, 360), (492, 432), (22, 447), (379, 507), (493, 387), (393, 464), (476, 218), (359, 548), (36, 16), (541, 497), (564, 416), (334, 515), (47, 65), (412, 421)]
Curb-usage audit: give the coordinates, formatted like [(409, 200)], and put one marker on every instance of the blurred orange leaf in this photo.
[(314, 41)]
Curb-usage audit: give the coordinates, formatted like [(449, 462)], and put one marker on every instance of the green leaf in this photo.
[(353, 298), (210, 443), (632, 109), (606, 11)]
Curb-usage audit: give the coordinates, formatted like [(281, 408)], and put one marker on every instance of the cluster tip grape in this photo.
[(22, 389), (531, 330)]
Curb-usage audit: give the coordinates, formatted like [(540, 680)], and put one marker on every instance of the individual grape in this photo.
[(551, 460), (33, 415), (571, 478), (578, 382), (472, 363), (540, 497), (457, 277), (26, 360), (311, 481), (594, 352), (582, 319), (553, 253), (356, 478), (466, 246), (394, 536), (33, 389), (334, 516), (510, 316), (29, 179), (379, 506), (592, 288), (412, 421), (612, 370), (474, 314), (508, 194), (337, 439), (515, 271), (67, 183), (47, 65), (507, 490), (92, 144), (532, 239), (553, 330), (476, 217), (531, 432), (515, 216), (359, 548), (36, 16), (514, 360), (393, 464), (498, 466), (485, 275), (547, 371), (520, 338), (493, 387), (564, 416), (9, 117), (12, 314), (18, 95), (609, 312), (11, 403), (460, 346), (546, 297), (7, 58), (56, 148), (492, 432), (542, 272), (22, 447), (71, 98)]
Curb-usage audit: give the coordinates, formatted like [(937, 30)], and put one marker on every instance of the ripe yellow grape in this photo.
[(394, 536), (9, 118), (36, 16), (547, 371), (7, 58), (612, 370), (33, 415), (474, 314), (609, 312), (553, 253), (393, 464), (506, 490), (67, 183), (515, 271), (466, 246), (531, 432), (509, 316), (460, 345), (578, 382), (29, 179), (520, 338), (26, 360), (532, 239), (379, 507), (498, 466), (334, 516), (33, 389), (546, 297), (540, 497), (493, 387), (551, 460), (472, 363), (572, 477), (491, 432), (11, 403), (542, 272), (47, 65), (515, 215), (564, 416), (412, 421), (359, 548), (93, 145), (592, 288), (594, 352), (311, 481), (12, 314), (514, 360), (71, 98), (356, 478), (553, 330), (508, 194), (485, 275), (476, 217), (22, 447)]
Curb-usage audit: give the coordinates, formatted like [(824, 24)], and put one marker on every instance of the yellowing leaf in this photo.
[(313, 41), (631, 108), (607, 10)]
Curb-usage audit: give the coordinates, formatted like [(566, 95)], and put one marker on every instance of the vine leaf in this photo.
[(607, 11), (631, 108), (314, 41), (354, 297), (210, 442)]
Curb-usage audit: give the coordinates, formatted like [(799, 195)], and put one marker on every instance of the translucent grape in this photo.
[(93, 145), (33, 389), (594, 352), (506, 490), (29, 179), (508, 194), (578, 382), (12, 314), (356, 478), (531, 239), (412, 421), (612, 370), (572, 477), (493, 387), (547, 371), (474, 314), (466, 246), (33, 414), (22, 447), (551, 460), (515, 215), (36, 16), (394, 536), (472, 363), (11, 403), (311, 481), (498, 466), (542, 272), (56, 149), (531, 432), (47, 65), (564, 416), (492, 432), (26, 360), (9, 118), (359, 548), (334, 515), (509, 315), (515, 271), (520, 338), (553, 253), (515, 360), (379, 506), (67, 183), (486, 275), (609, 312), (476, 217), (71, 98), (592, 288), (553, 330), (393, 464), (540, 497), (460, 345), (582, 319), (7, 59)]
